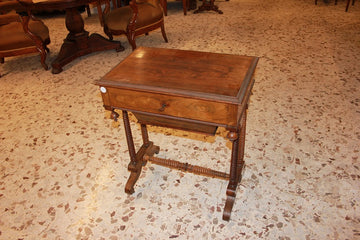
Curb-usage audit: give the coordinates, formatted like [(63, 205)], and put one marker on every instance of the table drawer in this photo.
[(177, 106)]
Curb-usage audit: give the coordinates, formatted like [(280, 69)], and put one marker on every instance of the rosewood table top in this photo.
[(220, 80)]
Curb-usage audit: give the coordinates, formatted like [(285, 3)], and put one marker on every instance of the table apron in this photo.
[(216, 113)]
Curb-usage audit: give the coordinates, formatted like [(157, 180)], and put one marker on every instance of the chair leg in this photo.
[(100, 14), (88, 10), (108, 33), (347, 5), (335, 2), (315, 2), (163, 32), (131, 39), (163, 3), (184, 3), (43, 58), (1, 61)]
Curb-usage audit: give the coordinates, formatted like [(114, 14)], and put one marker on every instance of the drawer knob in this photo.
[(163, 106)]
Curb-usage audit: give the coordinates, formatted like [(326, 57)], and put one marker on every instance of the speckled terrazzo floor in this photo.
[(63, 161)]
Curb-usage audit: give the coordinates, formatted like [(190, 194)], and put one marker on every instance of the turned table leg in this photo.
[(136, 159), (237, 164), (135, 165), (231, 188), (241, 151)]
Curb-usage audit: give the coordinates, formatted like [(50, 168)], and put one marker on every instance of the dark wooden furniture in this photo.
[(188, 90), (185, 5), (78, 42), (347, 4), (133, 20), (208, 5), (99, 3), (21, 34), (324, 1)]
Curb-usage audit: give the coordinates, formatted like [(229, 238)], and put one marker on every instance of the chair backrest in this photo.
[(99, 3)]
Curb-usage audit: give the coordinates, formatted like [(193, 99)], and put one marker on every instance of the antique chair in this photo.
[(21, 33), (133, 20), (98, 4)]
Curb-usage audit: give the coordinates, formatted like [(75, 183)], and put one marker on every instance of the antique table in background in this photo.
[(208, 5), (188, 90), (78, 42)]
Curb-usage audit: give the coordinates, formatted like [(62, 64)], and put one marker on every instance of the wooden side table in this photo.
[(188, 90)]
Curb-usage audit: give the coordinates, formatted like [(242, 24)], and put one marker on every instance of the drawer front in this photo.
[(176, 106)]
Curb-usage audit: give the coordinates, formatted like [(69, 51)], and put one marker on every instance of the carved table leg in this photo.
[(237, 163), (241, 163), (136, 159), (231, 189), (134, 165)]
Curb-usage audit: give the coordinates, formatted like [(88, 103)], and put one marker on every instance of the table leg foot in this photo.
[(56, 69), (228, 207), (73, 48), (67, 53), (135, 167), (100, 43), (134, 176), (206, 6)]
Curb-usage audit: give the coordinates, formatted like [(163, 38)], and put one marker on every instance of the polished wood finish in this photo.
[(78, 42), (196, 109), (188, 90)]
